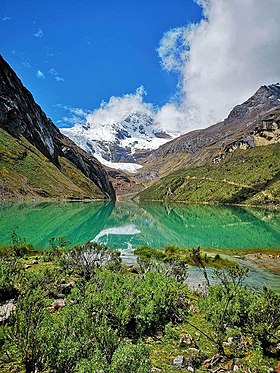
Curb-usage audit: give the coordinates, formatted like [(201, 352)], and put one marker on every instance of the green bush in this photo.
[(84, 260), (136, 305), (10, 270), (27, 331), (229, 306), (129, 358)]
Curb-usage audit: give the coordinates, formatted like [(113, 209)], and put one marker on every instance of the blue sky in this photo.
[(78, 53)]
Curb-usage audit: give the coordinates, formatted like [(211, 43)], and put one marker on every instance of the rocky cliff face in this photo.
[(20, 116), (243, 128)]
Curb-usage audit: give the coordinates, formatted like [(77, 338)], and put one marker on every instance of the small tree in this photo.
[(223, 300), (197, 258), (27, 331)]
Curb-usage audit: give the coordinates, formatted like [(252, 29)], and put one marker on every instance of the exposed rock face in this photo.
[(253, 123), (21, 116), (239, 119), (122, 141)]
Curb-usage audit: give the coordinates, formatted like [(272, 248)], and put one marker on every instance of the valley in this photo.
[(140, 186)]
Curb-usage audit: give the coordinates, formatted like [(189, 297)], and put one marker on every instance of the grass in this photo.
[(243, 177), (26, 173), (182, 255)]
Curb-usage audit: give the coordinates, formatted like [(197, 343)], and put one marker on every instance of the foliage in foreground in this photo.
[(84, 311)]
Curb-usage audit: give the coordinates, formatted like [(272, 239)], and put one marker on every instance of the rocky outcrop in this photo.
[(253, 123), (21, 116), (240, 119)]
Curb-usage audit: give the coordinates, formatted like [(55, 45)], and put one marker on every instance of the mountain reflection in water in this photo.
[(153, 224)]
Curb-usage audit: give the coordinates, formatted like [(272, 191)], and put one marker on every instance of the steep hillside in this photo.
[(253, 123), (36, 159), (244, 176), (26, 173)]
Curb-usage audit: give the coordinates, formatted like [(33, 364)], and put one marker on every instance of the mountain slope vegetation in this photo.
[(36, 159), (244, 176), (25, 172), (256, 122)]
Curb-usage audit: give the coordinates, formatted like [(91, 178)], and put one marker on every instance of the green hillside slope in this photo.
[(244, 176), (26, 173)]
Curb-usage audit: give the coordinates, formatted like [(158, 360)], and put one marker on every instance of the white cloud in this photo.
[(76, 115), (172, 119), (6, 18), (39, 33), (52, 71), (118, 108), (40, 75), (56, 75), (221, 61), (224, 59)]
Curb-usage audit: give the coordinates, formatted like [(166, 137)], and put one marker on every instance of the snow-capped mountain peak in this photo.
[(118, 144)]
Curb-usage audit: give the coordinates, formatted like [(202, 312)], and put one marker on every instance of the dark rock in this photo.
[(133, 269), (57, 305), (21, 116)]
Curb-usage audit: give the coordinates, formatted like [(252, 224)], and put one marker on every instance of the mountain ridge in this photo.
[(119, 144), (242, 126), (24, 121)]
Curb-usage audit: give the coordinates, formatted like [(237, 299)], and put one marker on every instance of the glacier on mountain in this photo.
[(119, 144)]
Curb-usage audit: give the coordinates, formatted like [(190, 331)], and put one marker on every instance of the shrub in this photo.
[(10, 269), (86, 259), (129, 358), (27, 333), (136, 305), (250, 313)]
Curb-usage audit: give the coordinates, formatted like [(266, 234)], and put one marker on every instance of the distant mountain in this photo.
[(244, 127), (234, 161), (36, 159), (119, 144)]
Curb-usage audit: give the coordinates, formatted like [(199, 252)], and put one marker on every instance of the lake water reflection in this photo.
[(128, 225)]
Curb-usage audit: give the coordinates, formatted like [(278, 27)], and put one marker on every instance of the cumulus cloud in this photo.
[(6, 18), (40, 75), (220, 61), (118, 108), (113, 111), (39, 33), (224, 58)]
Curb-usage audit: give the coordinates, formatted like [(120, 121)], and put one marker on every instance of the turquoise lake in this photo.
[(128, 225)]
